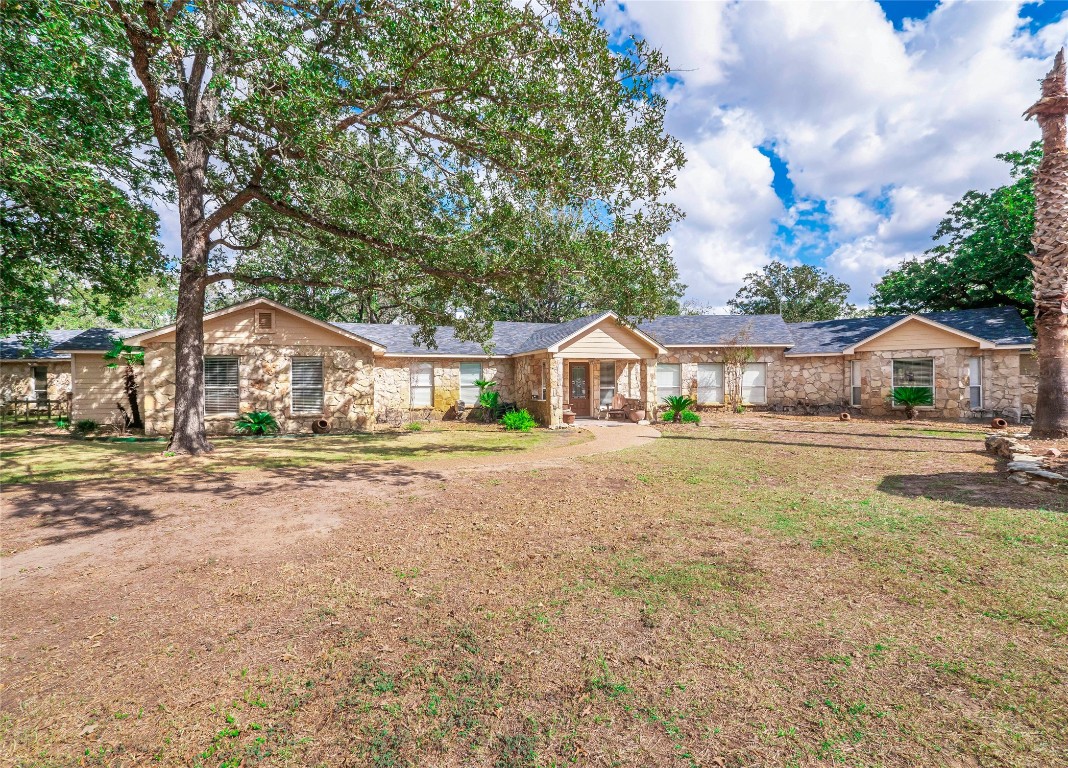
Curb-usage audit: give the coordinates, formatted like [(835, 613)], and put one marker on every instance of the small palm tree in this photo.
[(256, 423), (911, 397), (677, 404)]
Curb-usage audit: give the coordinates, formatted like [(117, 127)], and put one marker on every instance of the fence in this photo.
[(33, 410)]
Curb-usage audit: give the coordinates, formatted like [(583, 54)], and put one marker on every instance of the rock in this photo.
[(1020, 477), (1053, 452), (1050, 477), (1027, 457), (1023, 466)]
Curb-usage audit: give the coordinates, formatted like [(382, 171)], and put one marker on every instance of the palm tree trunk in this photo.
[(1050, 259)]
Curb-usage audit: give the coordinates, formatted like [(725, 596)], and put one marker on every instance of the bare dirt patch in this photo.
[(753, 592)]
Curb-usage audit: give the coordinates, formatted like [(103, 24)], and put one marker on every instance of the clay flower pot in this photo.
[(999, 423), (637, 415), (569, 417), (320, 426)]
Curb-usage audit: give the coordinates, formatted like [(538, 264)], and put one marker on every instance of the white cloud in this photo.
[(888, 127)]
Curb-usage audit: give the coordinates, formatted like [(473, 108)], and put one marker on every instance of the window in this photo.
[(220, 385), (422, 385), (854, 383), (754, 383), (710, 383), (914, 373), (39, 383), (306, 386), (537, 386), (975, 383), (668, 378), (544, 382), (469, 374), (265, 321), (607, 381)]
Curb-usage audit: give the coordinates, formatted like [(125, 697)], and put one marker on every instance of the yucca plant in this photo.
[(911, 397), (677, 404), (256, 423)]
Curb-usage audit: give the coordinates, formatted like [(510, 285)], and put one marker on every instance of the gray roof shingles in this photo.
[(506, 339), (710, 330), (62, 342), (1002, 325)]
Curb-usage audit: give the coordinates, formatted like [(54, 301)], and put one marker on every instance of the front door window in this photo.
[(579, 388)]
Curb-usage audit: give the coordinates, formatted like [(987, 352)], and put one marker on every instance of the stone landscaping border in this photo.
[(1024, 467)]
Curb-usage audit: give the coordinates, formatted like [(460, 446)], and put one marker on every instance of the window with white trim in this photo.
[(668, 380), (914, 373), (220, 386), (40, 383), (537, 384), (754, 383), (306, 385), (975, 383), (854, 383), (710, 382), (607, 381), (469, 374), (422, 385)]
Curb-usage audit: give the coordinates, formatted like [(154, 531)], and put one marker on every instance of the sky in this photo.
[(836, 133)]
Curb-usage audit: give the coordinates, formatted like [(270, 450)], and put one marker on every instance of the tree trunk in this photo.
[(1050, 258), (188, 434), (130, 382)]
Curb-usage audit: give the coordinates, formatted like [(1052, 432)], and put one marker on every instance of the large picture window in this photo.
[(422, 385), (469, 374), (220, 385), (306, 387), (914, 373), (668, 380), (975, 383), (710, 383), (607, 381), (754, 383)]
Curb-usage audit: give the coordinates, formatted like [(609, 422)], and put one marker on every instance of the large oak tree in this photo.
[(801, 293), (432, 138)]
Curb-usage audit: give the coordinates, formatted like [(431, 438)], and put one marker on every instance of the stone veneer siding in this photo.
[(16, 379), (688, 359), (393, 387), (263, 385), (527, 381)]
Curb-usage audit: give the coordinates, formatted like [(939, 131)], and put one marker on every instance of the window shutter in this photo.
[(306, 385), (266, 321), (220, 385)]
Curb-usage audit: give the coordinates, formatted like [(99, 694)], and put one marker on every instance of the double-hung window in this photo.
[(40, 383), (668, 380), (306, 385), (469, 374), (914, 373), (710, 383), (975, 383), (854, 383), (754, 383), (220, 385), (607, 382), (422, 385), (537, 386)]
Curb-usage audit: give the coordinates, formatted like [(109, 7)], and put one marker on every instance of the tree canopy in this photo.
[(75, 218), (800, 293), (982, 256)]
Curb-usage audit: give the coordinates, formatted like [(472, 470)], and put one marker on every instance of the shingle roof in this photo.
[(506, 338), (1001, 325), (552, 333), (712, 330), (14, 348), (98, 339)]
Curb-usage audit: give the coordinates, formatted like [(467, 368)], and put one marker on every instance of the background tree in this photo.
[(73, 185), (800, 294), (433, 137), (154, 304), (1050, 257), (982, 259)]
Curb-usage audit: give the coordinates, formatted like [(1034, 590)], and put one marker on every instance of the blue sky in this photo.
[(836, 133)]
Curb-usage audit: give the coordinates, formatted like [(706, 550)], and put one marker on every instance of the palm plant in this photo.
[(489, 398), (256, 423), (911, 397), (677, 404)]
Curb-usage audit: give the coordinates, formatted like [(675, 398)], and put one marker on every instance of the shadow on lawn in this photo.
[(73, 509), (837, 446), (974, 489)]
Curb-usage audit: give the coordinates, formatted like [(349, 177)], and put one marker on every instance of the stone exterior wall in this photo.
[(530, 372), (263, 385), (393, 387), (688, 359), (16, 379), (1028, 363)]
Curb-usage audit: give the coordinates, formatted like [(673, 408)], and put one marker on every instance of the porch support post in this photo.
[(556, 391), (647, 383)]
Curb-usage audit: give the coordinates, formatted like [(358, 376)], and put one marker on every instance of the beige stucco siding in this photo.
[(914, 335), (240, 327), (609, 340), (99, 389)]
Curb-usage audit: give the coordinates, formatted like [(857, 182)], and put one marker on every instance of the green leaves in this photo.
[(800, 294), (982, 259)]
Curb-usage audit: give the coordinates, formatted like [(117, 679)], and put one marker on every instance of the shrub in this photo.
[(910, 397), (689, 417), (677, 404), (62, 422), (85, 426), (414, 426), (256, 423), (521, 421)]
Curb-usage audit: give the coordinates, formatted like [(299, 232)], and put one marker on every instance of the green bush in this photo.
[(689, 417), (256, 423), (62, 422), (910, 397), (521, 421), (676, 405), (414, 426), (85, 426)]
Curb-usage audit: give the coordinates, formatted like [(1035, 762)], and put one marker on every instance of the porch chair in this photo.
[(616, 408)]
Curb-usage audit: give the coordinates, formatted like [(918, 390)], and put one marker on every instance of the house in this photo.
[(260, 355)]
